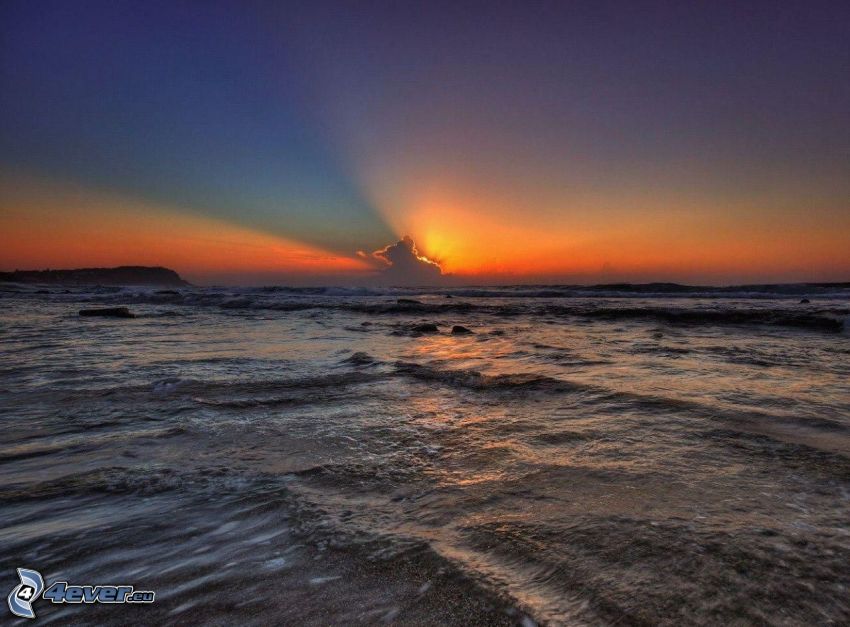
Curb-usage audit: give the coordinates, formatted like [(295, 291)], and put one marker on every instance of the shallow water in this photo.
[(308, 455)]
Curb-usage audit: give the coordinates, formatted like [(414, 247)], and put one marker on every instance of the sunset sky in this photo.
[(573, 142)]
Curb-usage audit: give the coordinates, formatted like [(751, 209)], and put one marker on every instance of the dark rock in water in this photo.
[(459, 330), (167, 292), (449, 296), (805, 301), (408, 301), (361, 359), (108, 312), (426, 328)]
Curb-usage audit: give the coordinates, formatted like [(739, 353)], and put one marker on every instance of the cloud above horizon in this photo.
[(402, 264)]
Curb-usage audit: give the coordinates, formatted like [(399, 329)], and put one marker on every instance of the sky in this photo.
[(419, 143)]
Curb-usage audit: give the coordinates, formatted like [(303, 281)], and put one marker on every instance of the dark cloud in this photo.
[(402, 265)]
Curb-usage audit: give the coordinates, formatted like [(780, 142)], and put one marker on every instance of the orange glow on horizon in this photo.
[(474, 236), (55, 226)]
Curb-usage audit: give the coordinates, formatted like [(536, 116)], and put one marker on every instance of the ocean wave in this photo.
[(819, 290), (832, 322), (266, 392), (604, 560), (722, 310), (76, 440), (132, 481), (475, 380)]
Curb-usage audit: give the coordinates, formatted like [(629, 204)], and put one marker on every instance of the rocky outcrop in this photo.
[(122, 275), (426, 328)]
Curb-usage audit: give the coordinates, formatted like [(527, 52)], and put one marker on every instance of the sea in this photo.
[(258, 456)]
